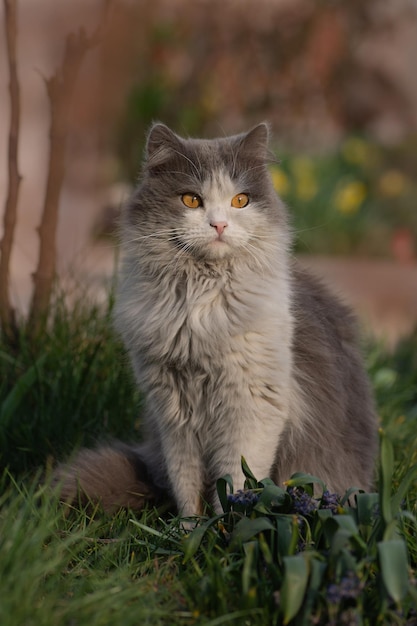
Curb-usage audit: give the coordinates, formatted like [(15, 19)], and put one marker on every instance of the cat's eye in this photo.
[(191, 200), (240, 200)]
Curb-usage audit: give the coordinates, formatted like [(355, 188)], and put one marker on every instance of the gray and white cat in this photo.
[(238, 351)]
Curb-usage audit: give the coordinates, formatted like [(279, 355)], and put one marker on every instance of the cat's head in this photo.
[(207, 198)]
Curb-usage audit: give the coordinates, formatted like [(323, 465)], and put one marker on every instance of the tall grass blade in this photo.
[(224, 486), (192, 542), (386, 473)]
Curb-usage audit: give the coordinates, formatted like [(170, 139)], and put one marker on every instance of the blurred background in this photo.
[(336, 80)]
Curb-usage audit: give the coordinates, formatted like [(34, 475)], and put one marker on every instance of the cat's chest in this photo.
[(208, 318), (200, 319)]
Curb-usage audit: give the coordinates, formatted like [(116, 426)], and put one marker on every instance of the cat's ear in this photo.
[(254, 144), (162, 145)]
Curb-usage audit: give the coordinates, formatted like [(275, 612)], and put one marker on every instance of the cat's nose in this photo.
[(219, 226)]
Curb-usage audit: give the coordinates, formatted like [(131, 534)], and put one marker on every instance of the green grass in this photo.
[(70, 385), (262, 563)]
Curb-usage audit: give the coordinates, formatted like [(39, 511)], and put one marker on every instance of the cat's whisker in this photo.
[(155, 235), (183, 252), (298, 231), (264, 246), (259, 166), (253, 252)]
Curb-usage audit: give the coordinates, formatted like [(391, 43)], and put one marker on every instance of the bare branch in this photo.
[(10, 211), (60, 87)]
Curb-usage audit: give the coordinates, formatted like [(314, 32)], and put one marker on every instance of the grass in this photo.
[(66, 387), (278, 555)]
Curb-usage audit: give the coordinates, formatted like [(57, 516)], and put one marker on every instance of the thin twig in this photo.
[(10, 212), (60, 87)]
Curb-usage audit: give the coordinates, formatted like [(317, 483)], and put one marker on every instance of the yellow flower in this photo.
[(392, 183), (357, 151), (306, 185), (280, 181), (349, 197)]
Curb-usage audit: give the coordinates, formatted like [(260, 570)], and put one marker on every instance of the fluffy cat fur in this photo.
[(238, 351)]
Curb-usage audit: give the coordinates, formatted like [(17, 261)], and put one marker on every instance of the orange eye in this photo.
[(240, 200), (191, 200)]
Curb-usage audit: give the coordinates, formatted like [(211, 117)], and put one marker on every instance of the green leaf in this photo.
[(295, 534), (294, 586), (324, 514), (340, 541), (343, 534), (222, 486), (386, 472), (265, 548), (271, 496), (247, 570), (317, 570), (251, 481), (248, 528), (366, 505), (192, 541), (345, 522), (394, 568), (300, 479), (267, 482), (348, 495), (368, 518), (286, 528)]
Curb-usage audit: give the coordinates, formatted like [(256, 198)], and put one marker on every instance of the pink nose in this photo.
[(219, 226)]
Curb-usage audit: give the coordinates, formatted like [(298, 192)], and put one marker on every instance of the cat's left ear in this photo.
[(254, 144), (161, 146)]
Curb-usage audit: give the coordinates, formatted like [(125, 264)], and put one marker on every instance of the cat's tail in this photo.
[(112, 476)]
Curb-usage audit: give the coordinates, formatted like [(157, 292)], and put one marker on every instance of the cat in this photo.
[(238, 351)]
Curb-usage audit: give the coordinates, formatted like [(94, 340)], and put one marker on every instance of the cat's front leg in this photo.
[(258, 453), (184, 465), (179, 458)]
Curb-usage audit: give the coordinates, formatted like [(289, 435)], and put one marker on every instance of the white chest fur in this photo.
[(194, 317)]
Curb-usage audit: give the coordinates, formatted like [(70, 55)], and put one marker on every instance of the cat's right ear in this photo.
[(254, 143), (161, 146)]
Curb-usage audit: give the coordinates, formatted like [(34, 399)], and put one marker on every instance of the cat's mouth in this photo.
[(214, 248), (218, 247), (219, 242)]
